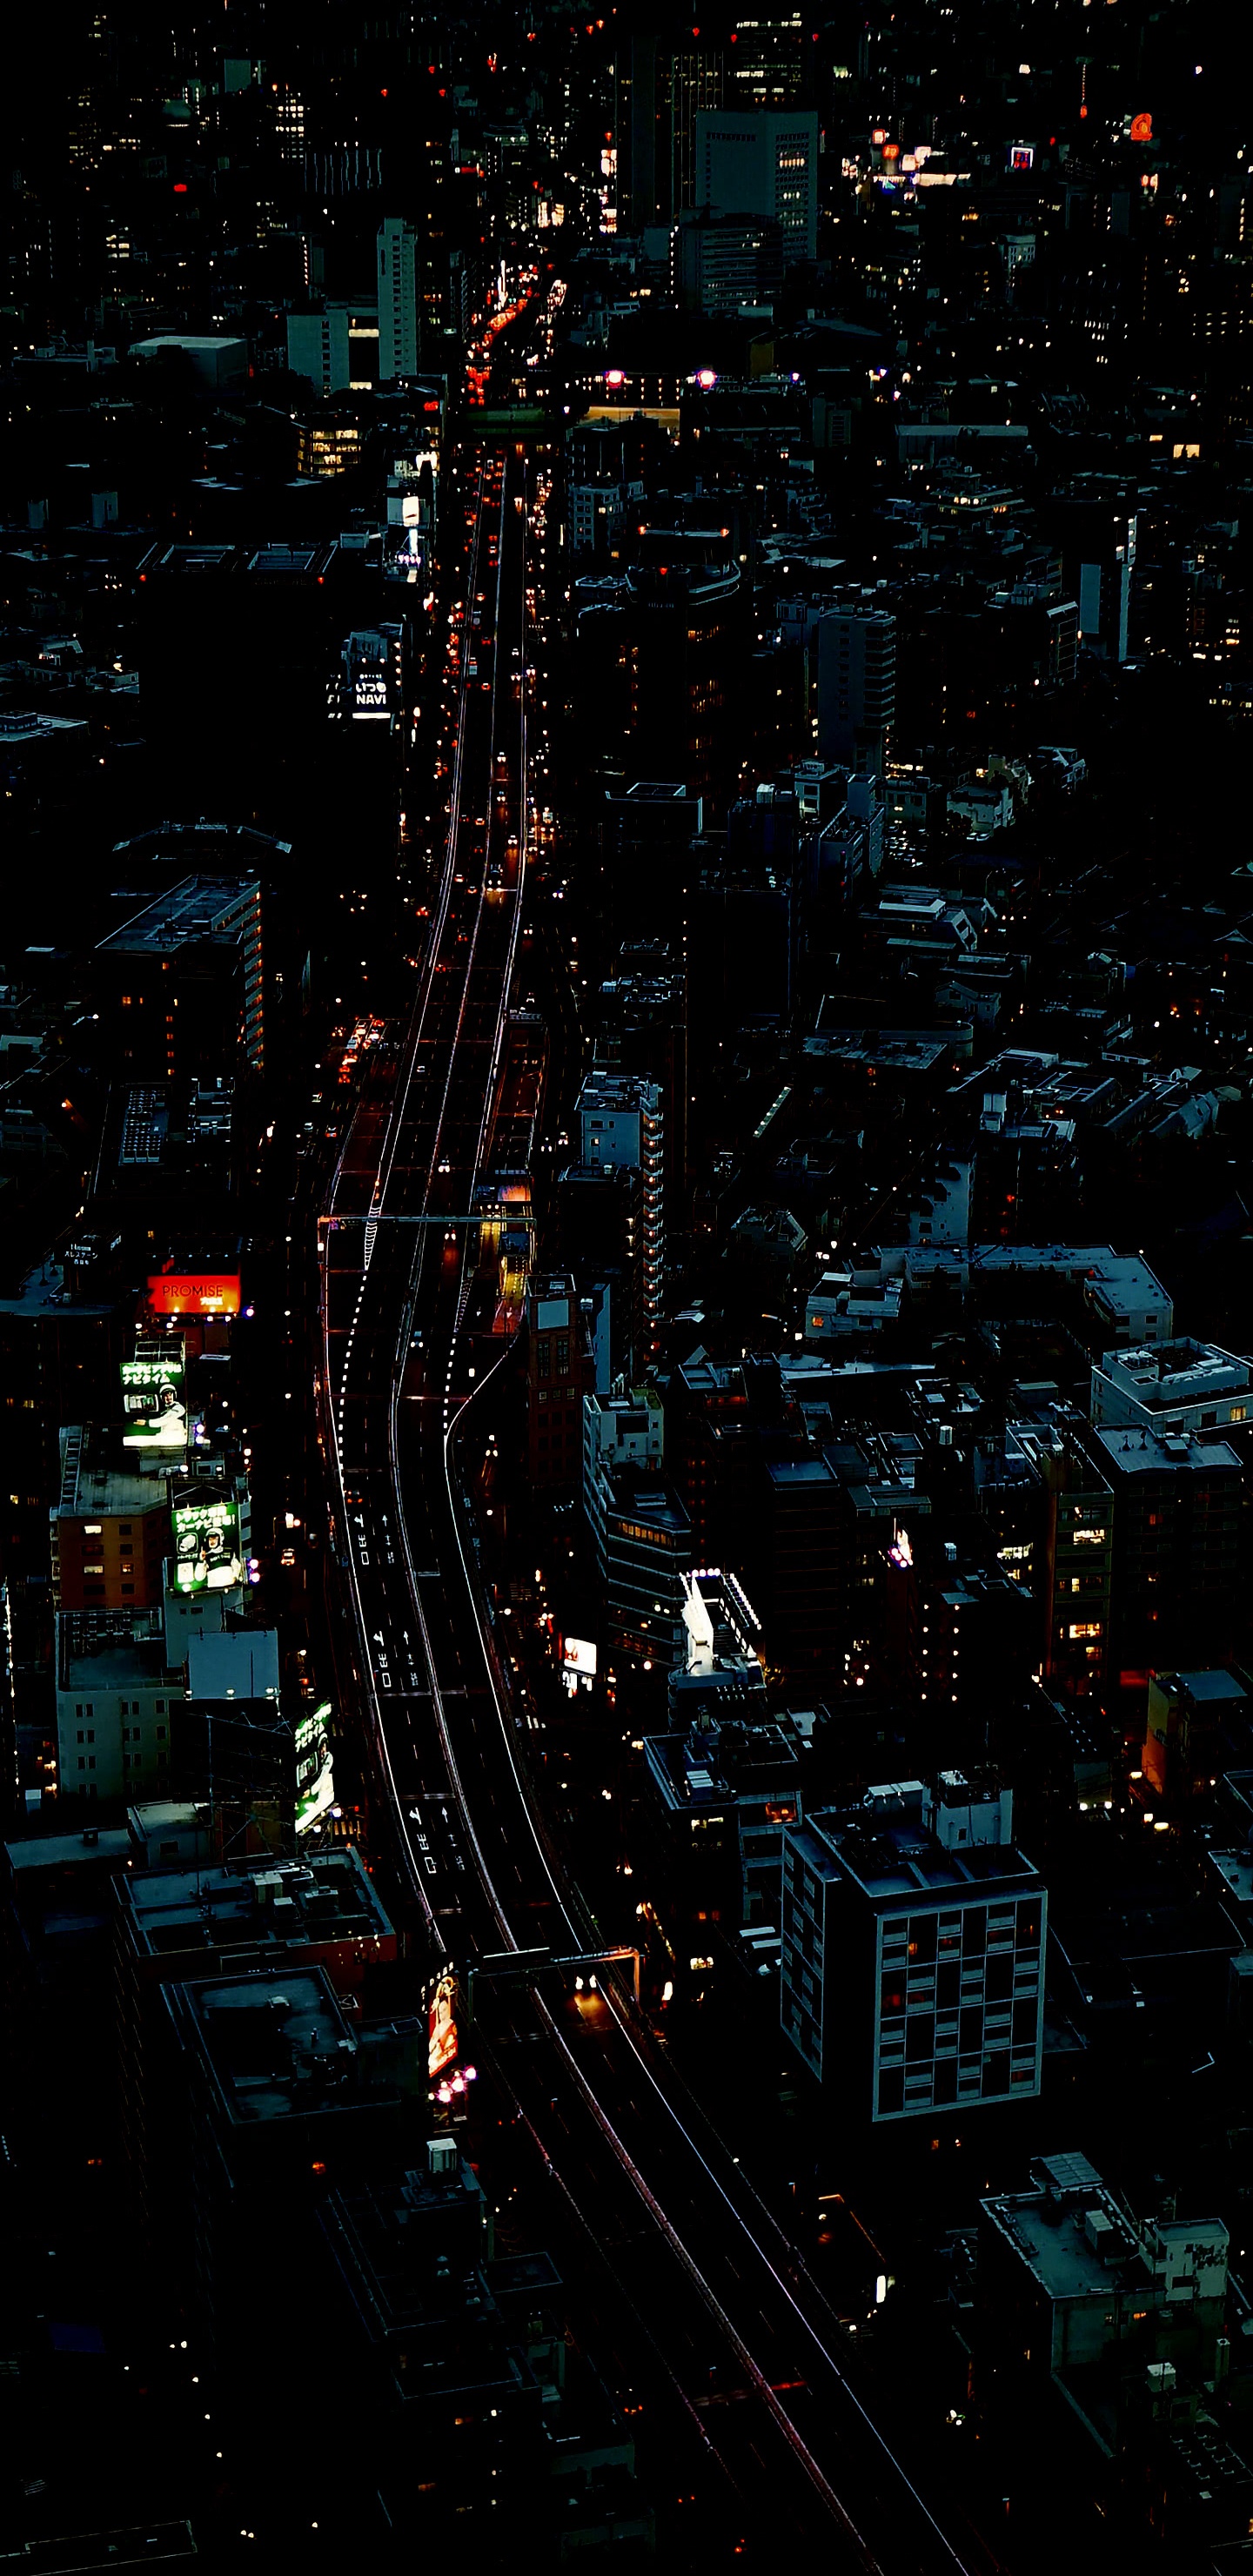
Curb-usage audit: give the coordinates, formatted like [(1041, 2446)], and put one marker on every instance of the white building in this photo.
[(912, 1965), (762, 161), (1181, 1386), (115, 1693), (941, 1213), (984, 805)]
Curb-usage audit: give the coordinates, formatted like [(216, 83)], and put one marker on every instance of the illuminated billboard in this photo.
[(315, 1784), (156, 1421), (166, 1369), (152, 1401), (578, 1663), (441, 2025), (185, 1292), (207, 1554)]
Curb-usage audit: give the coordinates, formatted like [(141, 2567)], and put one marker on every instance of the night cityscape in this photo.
[(626, 1288)]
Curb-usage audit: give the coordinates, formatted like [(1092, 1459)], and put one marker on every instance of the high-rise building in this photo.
[(912, 1970), (1177, 1508), (771, 65), (1075, 1565), (641, 1014), (317, 348), (1096, 523), (685, 610), (622, 1120), (181, 984), (399, 332), (555, 1378), (856, 687), (694, 81), (599, 1219), (762, 161), (640, 1535), (721, 262)]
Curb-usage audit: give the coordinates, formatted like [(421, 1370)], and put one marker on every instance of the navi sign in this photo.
[(206, 1545), (156, 1417), (315, 1785)]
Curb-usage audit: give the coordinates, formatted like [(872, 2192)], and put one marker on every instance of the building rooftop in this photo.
[(415, 2241), (200, 908), (1077, 2248), (91, 1483), (276, 2045), (181, 1915), (44, 1293), (899, 1843), (110, 1662), (1078, 2242), (792, 1472), (1216, 1685), (735, 1764), (108, 1847), (1175, 1372), (1158, 1453)]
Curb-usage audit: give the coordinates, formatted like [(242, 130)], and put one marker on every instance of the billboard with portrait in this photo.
[(152, 1401), (441, 2024), (207, 1554), (315, 1783)]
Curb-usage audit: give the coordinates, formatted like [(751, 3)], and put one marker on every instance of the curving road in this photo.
[(728, 2318)]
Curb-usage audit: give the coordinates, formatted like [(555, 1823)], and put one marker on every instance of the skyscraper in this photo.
[(772, 62), (694, 76), (399, 336), (622, 1120), (762, 162), (856, 687), (913, 1950)]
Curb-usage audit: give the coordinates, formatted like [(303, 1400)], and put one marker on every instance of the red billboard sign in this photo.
[(194, 1292)]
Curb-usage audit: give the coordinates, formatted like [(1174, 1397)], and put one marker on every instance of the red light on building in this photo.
[(891, 152), (180, 187), (1142, 129)]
